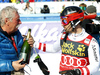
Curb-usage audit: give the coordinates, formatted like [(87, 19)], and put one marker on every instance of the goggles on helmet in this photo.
[(64, 20), (82, 8), (71, 17)]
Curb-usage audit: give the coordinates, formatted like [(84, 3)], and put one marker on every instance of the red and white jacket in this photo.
[(78, 51)]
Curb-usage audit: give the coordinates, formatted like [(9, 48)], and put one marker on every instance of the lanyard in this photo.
[(14, 45)]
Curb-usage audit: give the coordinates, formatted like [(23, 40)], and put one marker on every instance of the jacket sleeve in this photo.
[(6, 66), (55, 47), (93, 54)]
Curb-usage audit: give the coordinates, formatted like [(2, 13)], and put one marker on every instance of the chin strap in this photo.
[(73, 25)]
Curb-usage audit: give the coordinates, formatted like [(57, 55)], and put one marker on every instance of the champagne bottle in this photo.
[(26, 49)]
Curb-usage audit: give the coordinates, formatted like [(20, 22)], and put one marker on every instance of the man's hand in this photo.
[(17, 66), (31, 41)]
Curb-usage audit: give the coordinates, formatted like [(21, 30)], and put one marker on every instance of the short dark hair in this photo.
[(45, 6)]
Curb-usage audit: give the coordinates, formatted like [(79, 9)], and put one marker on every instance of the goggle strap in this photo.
[(77, 16)]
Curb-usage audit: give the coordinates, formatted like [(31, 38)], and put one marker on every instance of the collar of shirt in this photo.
[(6, 34)]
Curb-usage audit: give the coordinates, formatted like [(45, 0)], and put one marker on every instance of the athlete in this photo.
[(80, 51)]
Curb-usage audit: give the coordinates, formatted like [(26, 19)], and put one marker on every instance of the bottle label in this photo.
[(23, 55)]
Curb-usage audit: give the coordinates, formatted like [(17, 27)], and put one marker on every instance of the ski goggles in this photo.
[(71, 17), (64, 20), (82, 8)]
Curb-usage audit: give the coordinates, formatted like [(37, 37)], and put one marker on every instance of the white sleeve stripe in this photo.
[(85, 72)]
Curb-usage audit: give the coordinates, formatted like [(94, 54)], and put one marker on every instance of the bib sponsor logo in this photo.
[(68, 48), (73, 61)]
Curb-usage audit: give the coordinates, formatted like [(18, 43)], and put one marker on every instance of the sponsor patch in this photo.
[(87, 41), (95, 54)]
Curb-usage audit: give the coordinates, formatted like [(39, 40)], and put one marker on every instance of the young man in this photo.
[(9, 53), (80, 51)]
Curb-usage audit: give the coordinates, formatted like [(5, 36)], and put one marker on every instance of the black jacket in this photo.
[(89, 27)]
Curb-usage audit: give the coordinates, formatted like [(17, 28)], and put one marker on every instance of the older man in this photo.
[(9, 54)]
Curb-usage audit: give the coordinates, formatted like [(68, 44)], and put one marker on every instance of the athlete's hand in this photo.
[(74, 72), (71, 72), (77, 71), (17, 66)]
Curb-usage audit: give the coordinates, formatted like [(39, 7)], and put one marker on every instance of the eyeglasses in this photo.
[(82, 8)]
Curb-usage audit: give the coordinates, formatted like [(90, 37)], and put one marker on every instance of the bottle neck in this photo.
[(28, 35)]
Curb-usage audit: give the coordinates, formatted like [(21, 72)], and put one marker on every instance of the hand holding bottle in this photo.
[(30, 40), (17, 66), (26, 48)]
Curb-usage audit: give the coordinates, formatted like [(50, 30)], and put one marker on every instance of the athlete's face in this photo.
[(67, 27)]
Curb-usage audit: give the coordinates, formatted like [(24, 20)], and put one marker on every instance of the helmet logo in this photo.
[(71, 12)]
